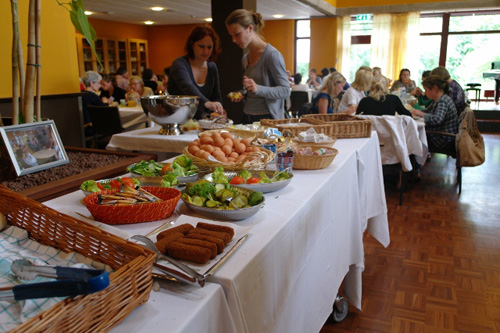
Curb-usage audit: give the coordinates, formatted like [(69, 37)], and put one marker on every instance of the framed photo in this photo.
[(34, 147)]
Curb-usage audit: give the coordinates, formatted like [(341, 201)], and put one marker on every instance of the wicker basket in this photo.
[(342, 125), (242, 135), (249, 163), (126, 214), (293, 131), (247, 133), (314, 162), (316, 144), (217, 123), (130, 283)]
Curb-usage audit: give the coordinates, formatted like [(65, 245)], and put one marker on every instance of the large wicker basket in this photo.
[(259, 133), (343, 125), (130, 283), (314, 162), (302, 125), (316, 144), (254, 161), (124, 214)]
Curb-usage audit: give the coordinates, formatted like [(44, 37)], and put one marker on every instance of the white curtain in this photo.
[(344, 45), (394, 43)]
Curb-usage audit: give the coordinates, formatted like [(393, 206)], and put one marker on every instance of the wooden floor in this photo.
[(441, 272)]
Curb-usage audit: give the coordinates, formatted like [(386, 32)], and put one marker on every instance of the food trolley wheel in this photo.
[(340, 309)]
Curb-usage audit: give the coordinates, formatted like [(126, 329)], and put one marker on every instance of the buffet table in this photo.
[(301, 246)]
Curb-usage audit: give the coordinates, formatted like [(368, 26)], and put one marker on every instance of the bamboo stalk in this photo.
[(30, 67), (38, 42), (20, 64), (15, 64)]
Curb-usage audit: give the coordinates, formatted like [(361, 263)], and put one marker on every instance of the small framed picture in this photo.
[(34, 147)]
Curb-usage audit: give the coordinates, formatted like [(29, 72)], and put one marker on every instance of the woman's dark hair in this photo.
[(147, 74), (199, 32), (425, 74), (121, 71), (166, 71), (436, 80), (325, 71), (106, 77), (297, 78), (403, 70), (442, 72)]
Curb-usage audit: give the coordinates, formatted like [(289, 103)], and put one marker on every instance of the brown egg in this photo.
[(240, 148), (217, 149), (234, 154), (249, 149), (193, 149), (199, 153), (226, 135), (256, 149), (208, 148), (204, 134), (195, 142), (219, 156), (246, 142), (226, 149), (229, 142), (235, 142), (219, 141), (231, 159), (239, 158), (205, 155), (206, 140)]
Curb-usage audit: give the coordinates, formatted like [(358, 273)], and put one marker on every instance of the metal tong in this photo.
[(71, 281)]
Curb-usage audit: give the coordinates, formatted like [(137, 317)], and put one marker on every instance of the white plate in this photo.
[(264, 187)]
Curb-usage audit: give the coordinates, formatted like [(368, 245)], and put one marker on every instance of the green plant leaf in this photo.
[(88, 31)]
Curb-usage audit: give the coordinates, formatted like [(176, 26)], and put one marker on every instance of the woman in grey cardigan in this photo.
[(264, 77)]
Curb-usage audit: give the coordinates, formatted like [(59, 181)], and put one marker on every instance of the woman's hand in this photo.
[(215, 107), (351, 109), (250, 84), (417, 113)]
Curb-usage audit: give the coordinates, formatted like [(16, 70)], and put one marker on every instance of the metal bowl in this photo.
[(170, 111), (264, 187)]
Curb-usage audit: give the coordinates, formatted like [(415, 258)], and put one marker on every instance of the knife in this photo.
[(212, 269)]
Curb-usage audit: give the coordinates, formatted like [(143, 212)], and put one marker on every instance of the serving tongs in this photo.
[(71, 281), (190, 276)]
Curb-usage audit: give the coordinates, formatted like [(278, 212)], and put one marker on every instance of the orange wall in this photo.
[(166, 43), (323, 43), (110, 29), (58, 52), (281, 35), (360, 3)]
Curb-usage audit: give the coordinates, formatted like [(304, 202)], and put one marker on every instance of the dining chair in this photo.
[(398, 138), (297, 99), (105, 122)]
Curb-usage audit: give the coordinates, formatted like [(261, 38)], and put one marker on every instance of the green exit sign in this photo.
[(364, 17)]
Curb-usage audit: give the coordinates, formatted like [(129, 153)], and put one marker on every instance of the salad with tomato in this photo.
[(108, 184), (182, 166), (246, 177)]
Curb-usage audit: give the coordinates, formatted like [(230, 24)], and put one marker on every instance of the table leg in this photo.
[(497, 90)]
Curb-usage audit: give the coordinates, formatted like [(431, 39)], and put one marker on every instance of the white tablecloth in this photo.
[(148, 140), (302, 244), (130, 116)]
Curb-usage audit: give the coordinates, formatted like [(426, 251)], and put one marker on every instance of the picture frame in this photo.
[(34, 147)]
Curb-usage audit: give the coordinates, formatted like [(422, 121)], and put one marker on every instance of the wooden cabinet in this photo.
[(138, 60), (114, 53)]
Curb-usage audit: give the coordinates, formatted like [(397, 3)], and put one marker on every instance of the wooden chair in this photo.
[(297, 99), (105, 122)]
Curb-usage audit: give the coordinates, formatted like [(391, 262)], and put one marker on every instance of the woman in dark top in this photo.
[(148, 77), (327, 99), (196, 74), (92, 82), (380, 102)]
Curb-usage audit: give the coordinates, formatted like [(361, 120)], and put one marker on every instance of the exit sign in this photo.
[(364, 17)]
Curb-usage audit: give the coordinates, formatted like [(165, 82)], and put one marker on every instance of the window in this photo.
[(302, 47), (360, 54)]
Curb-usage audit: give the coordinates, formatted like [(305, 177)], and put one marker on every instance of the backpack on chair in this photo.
[(469, 142)]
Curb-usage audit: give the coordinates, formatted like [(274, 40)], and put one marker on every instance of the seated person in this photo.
[(456, 92), (121, 77), (405, 82), (353, 95), (92, 82), (327, 99), (298, 86), (150, 79), (314, 80), (378, 71), (107, 88), (380, 102), (422, 102), (440, 116), (137, 90)]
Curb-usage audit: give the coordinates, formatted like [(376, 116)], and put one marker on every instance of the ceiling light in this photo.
[(148, 22), (209, 19), (157, 9), (88, 13), (278, 16)]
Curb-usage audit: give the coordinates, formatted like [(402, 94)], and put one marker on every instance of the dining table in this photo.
[(305, 240), (132, 115)]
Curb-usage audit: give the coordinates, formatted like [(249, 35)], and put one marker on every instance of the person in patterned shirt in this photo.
[(440, 116), (456, 91)]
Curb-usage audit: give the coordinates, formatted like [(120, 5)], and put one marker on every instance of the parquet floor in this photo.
[(441, 272)]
